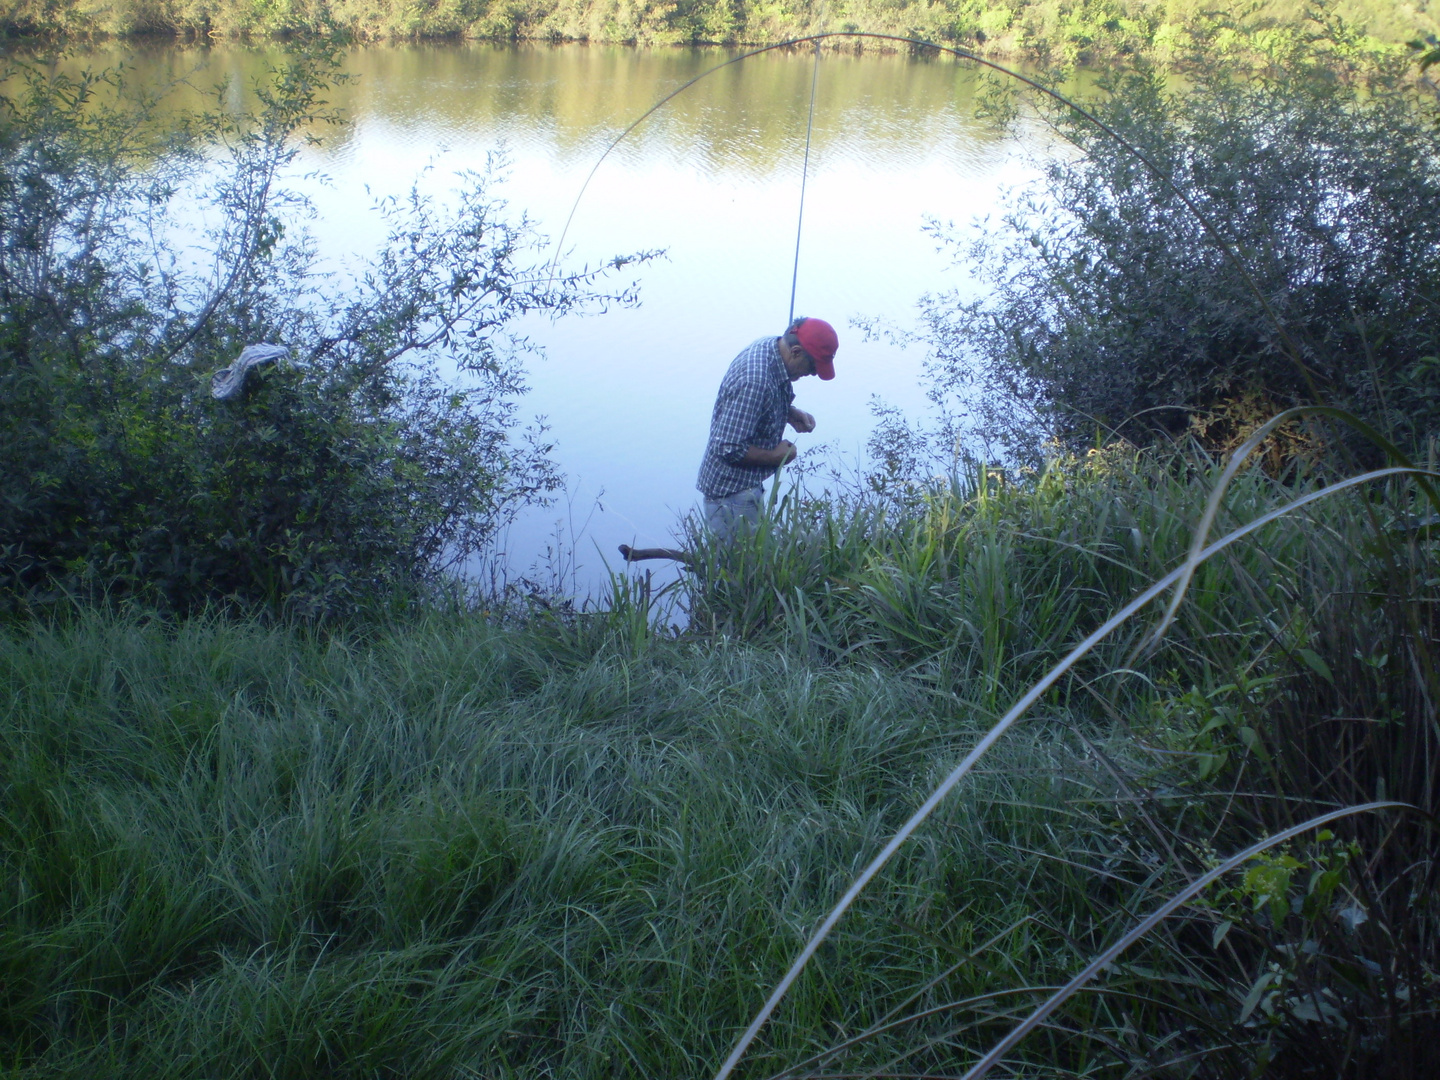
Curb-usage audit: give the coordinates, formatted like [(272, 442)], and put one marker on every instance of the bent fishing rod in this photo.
[(1291, 349)]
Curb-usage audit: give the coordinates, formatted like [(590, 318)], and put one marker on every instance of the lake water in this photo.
[(714, 179)]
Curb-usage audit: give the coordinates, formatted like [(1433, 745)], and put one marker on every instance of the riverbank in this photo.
[(1031, 30), (273, 802), (570, 844)]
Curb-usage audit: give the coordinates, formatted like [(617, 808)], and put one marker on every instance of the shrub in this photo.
[(1114, 310), (386, 450)]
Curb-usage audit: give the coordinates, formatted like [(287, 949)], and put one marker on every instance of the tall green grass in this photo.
[(453, 849), (1320, 955), (578, 844)]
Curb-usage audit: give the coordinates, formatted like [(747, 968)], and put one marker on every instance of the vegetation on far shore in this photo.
[(1040, 30), (276, 801)]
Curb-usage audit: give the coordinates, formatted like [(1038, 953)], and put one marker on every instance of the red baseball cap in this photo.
[(818, 339)]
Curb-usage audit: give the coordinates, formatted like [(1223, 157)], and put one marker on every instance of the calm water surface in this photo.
[(714, 179)]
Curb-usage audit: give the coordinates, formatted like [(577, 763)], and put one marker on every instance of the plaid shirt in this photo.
[(751, 410)]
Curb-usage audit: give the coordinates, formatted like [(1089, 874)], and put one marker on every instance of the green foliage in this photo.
[(1063, 30), (580, 844), (1115, 309), (1217, 722), (1276, 697), (942, 577), (386, 450), (1427, 49)]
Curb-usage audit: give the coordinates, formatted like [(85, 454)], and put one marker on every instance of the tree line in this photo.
[(1038, 29)]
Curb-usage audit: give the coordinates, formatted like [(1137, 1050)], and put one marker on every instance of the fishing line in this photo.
[(804, 176)]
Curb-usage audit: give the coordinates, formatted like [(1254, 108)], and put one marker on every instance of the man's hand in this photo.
[(801, 420), (781, 454)]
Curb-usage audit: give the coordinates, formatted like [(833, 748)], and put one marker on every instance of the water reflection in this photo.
[(568, 98)]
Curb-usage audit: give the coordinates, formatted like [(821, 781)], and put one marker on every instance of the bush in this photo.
[(384, 452), (1114, 310)]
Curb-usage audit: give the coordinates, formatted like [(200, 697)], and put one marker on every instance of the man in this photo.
[(755, 403)]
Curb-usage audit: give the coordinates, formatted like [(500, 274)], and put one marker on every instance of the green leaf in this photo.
[(1219, 935), (1316, 663), (1253, 997), (1252, 742)]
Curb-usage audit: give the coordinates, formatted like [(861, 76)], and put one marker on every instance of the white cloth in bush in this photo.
[(227, 383)]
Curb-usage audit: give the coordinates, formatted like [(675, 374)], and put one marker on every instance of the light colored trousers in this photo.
[(724, 517)]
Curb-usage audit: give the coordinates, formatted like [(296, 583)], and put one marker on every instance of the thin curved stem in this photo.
[(1098, 964)]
